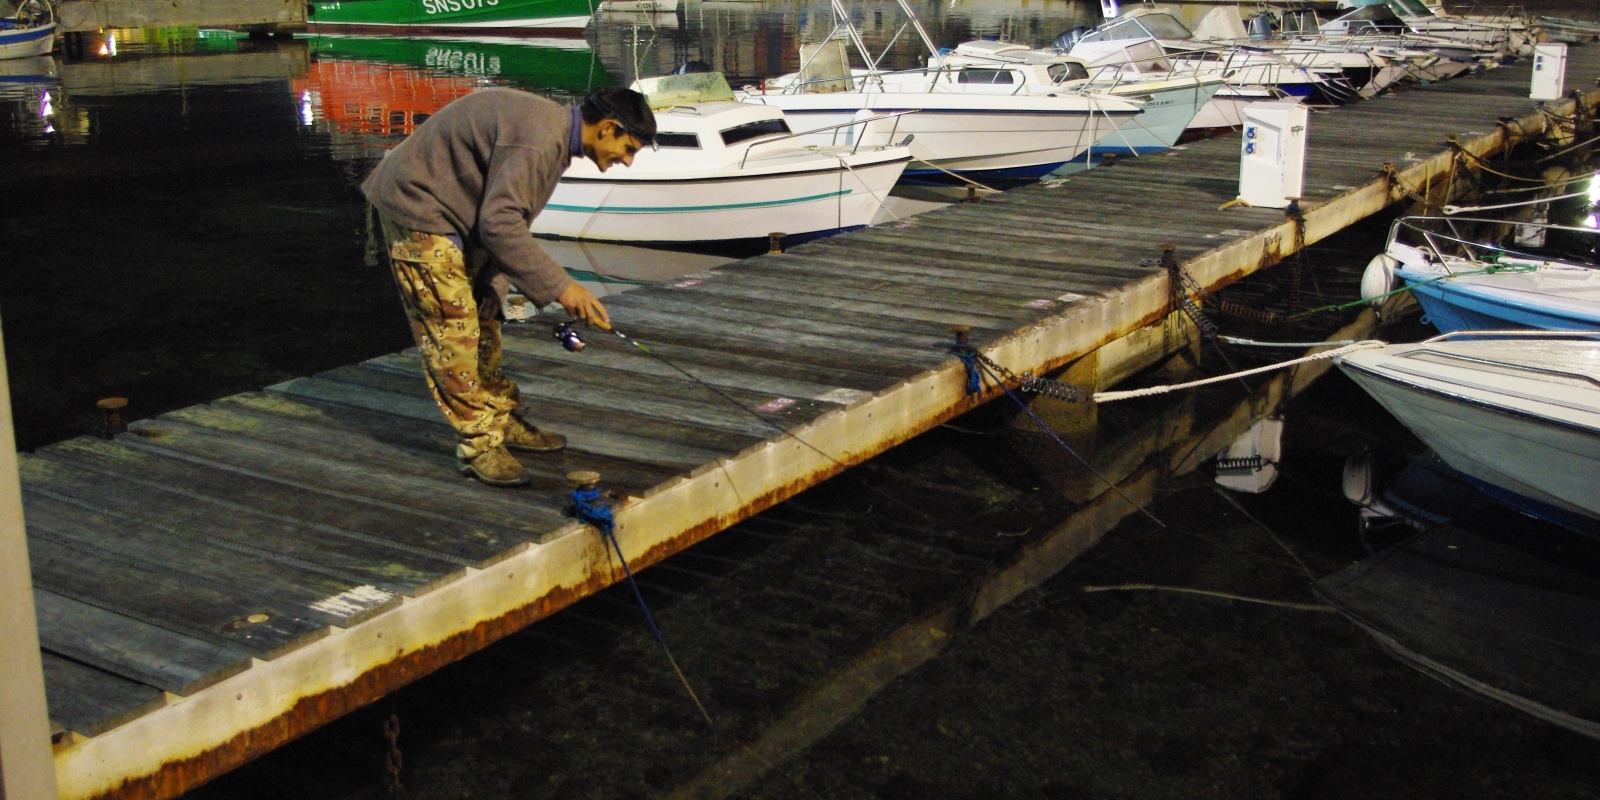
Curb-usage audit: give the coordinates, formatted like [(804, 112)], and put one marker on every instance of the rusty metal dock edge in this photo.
[(193, 739)]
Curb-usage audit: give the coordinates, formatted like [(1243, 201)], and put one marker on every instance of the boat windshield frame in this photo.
[(1144, 26), (1454, 243)]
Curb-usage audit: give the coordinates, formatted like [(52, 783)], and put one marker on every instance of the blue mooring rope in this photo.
[(969, 357), (588, 510)]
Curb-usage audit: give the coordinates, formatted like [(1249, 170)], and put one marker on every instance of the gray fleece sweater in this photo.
[(482, 169)]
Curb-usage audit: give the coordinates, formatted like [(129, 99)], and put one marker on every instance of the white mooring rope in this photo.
[(1107, 397)]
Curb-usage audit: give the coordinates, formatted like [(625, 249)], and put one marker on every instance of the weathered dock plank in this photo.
[(325, 482), (132, 649)]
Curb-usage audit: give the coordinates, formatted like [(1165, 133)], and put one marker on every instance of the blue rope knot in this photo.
[(588, 510), (969, 357)]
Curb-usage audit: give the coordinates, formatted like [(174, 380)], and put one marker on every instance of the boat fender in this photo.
[(1379, 279)]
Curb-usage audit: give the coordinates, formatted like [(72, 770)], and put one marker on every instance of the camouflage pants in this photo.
[(460, 352)]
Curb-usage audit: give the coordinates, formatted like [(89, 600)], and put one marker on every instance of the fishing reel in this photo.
[(568, 336)]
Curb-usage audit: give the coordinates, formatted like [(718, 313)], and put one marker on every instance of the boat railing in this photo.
[(1456, 243), (856, 147)]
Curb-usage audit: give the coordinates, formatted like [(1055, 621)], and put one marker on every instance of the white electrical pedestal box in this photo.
[(1272, 153), (1549, 71)]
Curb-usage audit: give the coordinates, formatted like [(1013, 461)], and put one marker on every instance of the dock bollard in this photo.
[(775, 241), (1108, 159), (583, 479), (961, 332), (111, 409), (972, 194)]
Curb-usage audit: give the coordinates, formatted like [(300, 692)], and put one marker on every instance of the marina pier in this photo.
[(223, 578)]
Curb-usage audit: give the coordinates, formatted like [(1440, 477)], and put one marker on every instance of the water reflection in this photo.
[(30, 90)]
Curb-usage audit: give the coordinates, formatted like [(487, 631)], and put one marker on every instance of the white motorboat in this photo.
[(724, 171), (1143, 34), (1546, 278), (1171, 98), (1511, 33), (28, 29), (1372, 57), (1518, 413), (954, 132)]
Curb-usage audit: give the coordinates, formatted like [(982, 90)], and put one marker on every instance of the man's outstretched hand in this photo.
[(581, 303)]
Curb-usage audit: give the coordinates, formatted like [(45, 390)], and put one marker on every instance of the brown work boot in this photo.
[(523, 436), (496, 467)]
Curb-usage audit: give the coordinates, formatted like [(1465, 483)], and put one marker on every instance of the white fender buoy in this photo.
[(1379, 279)]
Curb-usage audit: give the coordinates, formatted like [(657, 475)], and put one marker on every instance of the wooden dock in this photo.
[(226, 577)]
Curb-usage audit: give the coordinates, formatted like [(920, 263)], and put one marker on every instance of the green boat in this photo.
[(560, 65), (481, 17)]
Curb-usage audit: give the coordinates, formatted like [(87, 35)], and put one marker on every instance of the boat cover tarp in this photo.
[(1515, 618)]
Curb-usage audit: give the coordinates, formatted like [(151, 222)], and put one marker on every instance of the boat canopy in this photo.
[(1143, 26)]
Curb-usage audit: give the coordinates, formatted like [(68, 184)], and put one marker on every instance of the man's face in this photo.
[(612, 146)]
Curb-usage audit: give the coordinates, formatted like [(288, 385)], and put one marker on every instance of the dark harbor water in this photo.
[(182, 223)]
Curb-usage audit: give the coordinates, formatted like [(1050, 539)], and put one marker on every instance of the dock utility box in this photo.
[(1272, 153), (1549, 71)]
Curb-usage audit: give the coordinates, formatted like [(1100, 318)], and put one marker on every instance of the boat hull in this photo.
[(1461, 307), (1489, 435), (1004, 138), (697, 211), (1167, 114), (1553, 299)]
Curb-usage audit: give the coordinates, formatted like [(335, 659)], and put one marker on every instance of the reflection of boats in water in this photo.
[(389, 85), (408, 17), (27, 29), (605, 268), (640, 6), (32, 86)]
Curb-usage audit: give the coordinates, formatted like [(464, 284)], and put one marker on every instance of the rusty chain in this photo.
[(394, 762)]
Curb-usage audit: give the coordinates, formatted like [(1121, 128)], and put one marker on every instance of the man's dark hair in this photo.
[(626, 106)]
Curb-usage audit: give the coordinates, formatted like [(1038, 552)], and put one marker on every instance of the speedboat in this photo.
[(722, 171), (1373, 53), (1550, 281), (28, 31), (1171, 98), (1142, 34), (1517, 412), (972, 136), (1512, 34)]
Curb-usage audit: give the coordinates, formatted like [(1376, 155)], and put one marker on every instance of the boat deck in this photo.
[(223, 578)]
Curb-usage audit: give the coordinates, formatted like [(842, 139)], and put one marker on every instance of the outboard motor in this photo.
[(1065, 41), (1260, 26), (691, 67)]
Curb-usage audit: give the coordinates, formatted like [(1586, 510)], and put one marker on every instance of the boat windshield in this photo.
[(1145, 26), (985, 75), (1067, 71), (751, 130)]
